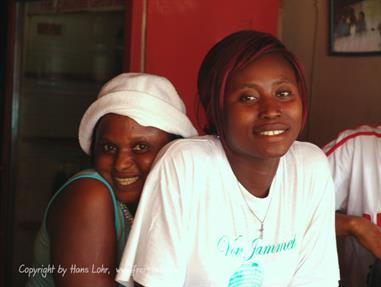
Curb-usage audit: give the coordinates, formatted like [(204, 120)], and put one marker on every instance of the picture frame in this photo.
[(354, 27)]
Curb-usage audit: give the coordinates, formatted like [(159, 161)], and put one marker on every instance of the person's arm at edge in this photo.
[(367, 233)]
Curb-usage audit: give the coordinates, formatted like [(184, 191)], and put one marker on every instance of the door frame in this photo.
[(8, 52)]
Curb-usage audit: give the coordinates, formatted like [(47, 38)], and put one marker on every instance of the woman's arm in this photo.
[(82, 235), (367, 233)]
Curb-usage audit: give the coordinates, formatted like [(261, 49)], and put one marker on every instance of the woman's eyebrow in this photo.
[(247, 85), (254, 85)]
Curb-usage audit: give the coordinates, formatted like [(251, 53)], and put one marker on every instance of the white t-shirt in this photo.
[(196, 225), (355, 160)]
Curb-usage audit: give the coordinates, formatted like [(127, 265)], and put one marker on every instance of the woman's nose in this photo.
[(123, 161), (270, 108)]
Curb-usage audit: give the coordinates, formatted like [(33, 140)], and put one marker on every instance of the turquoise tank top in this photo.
[(42, 242)]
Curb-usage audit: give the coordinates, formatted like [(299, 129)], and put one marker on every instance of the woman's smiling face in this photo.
[(262, 109), (124, 152)]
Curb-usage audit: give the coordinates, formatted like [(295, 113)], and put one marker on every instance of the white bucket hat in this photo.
[(148, 99)]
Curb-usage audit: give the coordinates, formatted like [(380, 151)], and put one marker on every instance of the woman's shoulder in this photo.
[(82, 199), (83, 182), (196, 142), (353, 139), (308, 155), (310, 164), (195, 146), (197, 153), (85, 188), (307, 150), (86, 173)]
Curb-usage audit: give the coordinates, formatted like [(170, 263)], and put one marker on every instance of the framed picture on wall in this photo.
[(354, 27)]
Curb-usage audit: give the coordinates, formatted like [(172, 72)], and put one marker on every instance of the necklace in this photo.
[(261, 221), (128, 218)]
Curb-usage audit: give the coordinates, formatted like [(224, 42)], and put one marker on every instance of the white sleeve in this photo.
[(318, 262), (157, 250), (339, 158)]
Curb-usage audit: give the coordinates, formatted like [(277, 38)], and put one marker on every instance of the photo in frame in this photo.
[(354, 27)]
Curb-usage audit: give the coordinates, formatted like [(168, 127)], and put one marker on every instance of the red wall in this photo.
[(180, 32)]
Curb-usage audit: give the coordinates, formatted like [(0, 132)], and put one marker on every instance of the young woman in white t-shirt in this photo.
[(246, 204)]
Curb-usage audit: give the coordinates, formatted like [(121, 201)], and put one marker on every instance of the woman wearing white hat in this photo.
[(87, 221)]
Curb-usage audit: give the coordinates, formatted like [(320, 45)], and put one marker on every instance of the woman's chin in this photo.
[(129, 197)]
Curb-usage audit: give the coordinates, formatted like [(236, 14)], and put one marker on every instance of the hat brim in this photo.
[(145, 109)]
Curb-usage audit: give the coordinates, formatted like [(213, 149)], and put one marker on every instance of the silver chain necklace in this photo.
[(261, 229), (128, 218)]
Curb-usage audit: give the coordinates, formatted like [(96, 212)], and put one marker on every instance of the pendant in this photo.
[(261, 231)]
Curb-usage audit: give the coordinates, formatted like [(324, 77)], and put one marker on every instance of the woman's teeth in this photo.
[(126, 181), (272, 133)]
